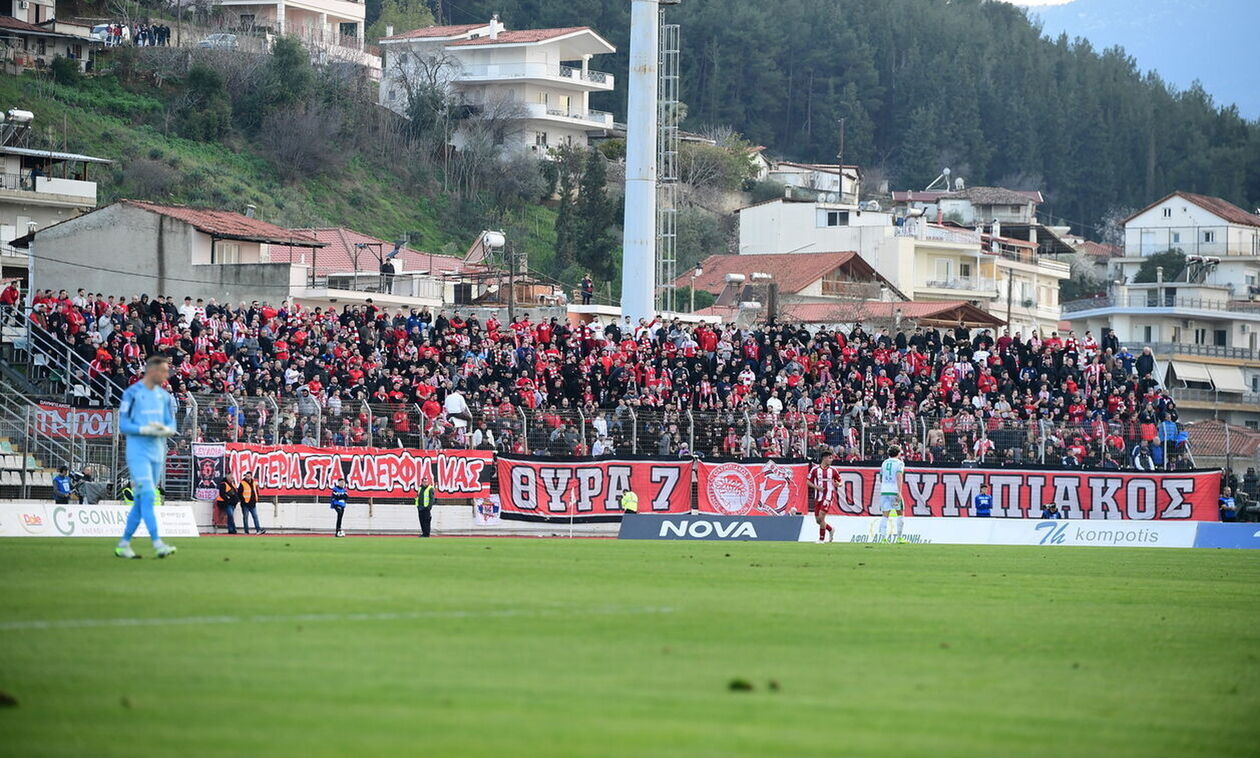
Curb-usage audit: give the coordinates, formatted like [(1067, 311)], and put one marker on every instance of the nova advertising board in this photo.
[(40, 520), (706, 526)]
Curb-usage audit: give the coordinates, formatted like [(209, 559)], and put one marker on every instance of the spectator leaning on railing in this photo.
[(357, 373)]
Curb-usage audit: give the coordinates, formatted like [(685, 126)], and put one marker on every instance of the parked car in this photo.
[(100, 33), (220, 41)]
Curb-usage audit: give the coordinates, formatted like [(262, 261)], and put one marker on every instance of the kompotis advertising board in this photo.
[(1021, 493), (301, 471), (744, 488), (588, 487)]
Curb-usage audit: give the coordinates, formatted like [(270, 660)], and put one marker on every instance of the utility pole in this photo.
[(511, 256), (840, 158)]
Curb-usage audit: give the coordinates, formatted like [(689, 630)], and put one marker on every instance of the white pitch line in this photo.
[(17, 626)]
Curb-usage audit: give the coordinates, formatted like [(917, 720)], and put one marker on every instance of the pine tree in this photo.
[(595, 218)]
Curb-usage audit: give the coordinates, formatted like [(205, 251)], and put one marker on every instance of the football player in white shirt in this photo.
[(891, 473)]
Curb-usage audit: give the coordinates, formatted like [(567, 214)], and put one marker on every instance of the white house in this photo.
[(539, 79), (1203, 323), (38, 188), (925, 260), (320, 23), (842, 183)]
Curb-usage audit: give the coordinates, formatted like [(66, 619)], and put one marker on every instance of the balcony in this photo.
[(1147, 301), (1215, 396), (1165, 349), (964, 283), (594, 81), (918, 230), (588, 119), (57, 191)]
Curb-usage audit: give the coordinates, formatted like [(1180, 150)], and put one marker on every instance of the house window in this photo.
[(566, 104), (834, 218), (1200, 336), (540, 139), (964, 270), (1219, 337), (544, 97), (1146, 334), (1176, 237), (393, 94), (944, 269), (247, 20), (1209, 236), (1176, 334), (225, 252), (1168, 213)]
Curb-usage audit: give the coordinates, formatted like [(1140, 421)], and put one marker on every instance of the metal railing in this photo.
[(1144, 301), (973, 283), (858, 435), (1216, 351)]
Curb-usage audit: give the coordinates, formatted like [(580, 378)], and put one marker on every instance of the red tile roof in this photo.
[(1222, 208), (793, 271), (337, 256), (436, 32), (9, 22), (871, 310), (1207, 438), (1100, 249), (227, 224), (523, 35)]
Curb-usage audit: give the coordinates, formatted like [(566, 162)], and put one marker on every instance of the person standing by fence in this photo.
[(249, 503), (63, 485), (338, 501), (424, 505), (229, 494)]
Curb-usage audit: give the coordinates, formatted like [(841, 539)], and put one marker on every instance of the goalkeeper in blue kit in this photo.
[(147, 417)]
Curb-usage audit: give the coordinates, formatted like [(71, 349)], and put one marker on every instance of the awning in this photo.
[(51, 155), (1227, 378), (1192, 372)]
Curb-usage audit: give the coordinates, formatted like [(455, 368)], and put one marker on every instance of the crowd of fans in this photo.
[(360, 373)]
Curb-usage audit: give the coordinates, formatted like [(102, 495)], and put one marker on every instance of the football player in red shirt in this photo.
[(824, 480)]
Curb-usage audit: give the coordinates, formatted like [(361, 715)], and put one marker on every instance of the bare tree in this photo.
[(303, 139)]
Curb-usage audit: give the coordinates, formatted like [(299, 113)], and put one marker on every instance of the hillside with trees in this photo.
[(924, 84), (306, 145)]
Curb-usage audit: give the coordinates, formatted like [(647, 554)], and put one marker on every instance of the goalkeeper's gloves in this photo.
[(155, 429)]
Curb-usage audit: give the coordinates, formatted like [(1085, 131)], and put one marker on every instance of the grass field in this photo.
[(493, 647)]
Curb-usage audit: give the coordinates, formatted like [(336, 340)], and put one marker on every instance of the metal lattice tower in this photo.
[(668, 107)]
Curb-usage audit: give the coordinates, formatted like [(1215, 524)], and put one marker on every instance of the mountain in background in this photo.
[(924, 84), (1211, 41)]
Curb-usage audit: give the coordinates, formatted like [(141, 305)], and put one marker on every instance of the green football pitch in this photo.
[(303, 646)]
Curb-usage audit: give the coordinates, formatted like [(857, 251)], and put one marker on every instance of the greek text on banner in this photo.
[(593, 487), (298, 470)]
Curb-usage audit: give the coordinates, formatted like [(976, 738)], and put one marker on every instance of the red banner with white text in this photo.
[(298, 470), (59, 420), (1021, 493), (593, 487), (752, 488)]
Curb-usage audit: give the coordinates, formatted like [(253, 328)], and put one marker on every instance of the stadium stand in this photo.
[(360, 375)]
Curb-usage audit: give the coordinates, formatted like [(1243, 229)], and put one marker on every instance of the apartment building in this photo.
[(1201, 322), (319, 23), (540, 80), (925, 260), (38, 188)]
